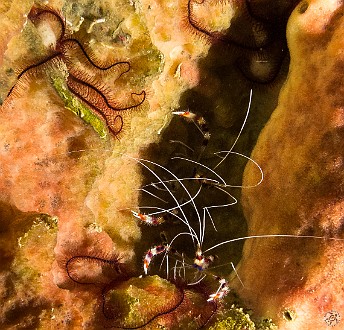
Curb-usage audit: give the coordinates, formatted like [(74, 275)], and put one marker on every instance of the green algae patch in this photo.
[(31, 261), (74, 105), (266, 324), (236, 318), (139, 300), (22, 284)]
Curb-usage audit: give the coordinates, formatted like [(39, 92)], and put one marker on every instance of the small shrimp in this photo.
[(221, 291), (187, 115), (202, 262), (154, 251), (199, 121), (148, 219)]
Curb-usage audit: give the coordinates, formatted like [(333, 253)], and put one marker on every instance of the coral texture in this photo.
[(296, 281), (71, 249), (53, 162)]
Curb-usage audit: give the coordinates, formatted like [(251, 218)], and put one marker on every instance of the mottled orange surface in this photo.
[(65, 192), (53, 163), (301, 153), (12, 16)]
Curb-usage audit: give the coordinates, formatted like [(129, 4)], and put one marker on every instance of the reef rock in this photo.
[(54, 165), (298, 282)]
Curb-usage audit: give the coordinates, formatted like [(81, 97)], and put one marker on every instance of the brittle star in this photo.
[(82, 82)]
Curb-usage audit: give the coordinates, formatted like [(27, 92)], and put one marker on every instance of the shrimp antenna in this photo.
[(141, 161), (151, 194), (271, 236), (241, 129), (237, 275), (207, 208), (251, 160), (170, 210), (204, 166), (170, 244), (154, 184)]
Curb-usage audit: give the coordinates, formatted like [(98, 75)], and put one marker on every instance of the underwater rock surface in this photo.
[(71, 249), (296, 281), (56, 169)]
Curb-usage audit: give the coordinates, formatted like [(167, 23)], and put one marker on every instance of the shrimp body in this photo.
[(221, 292), (186, 114), (201, 262), (148, 219), (151, 253), (199, 121)]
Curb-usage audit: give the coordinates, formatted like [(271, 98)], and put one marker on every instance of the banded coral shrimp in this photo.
[(190, 246), (187, 192), (196, 230)]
